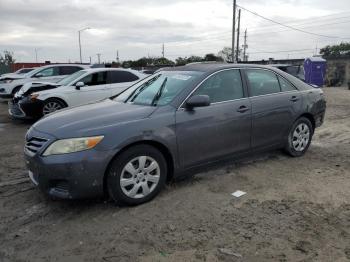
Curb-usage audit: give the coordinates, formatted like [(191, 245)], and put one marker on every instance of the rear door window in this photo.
[(121, 77), (262, 82)]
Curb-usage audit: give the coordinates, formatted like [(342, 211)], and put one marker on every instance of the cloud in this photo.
[(139, 28)]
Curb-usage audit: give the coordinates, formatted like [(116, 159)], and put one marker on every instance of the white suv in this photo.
[(37, 99), (9, 85)]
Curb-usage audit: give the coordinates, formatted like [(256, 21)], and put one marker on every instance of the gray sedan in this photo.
[(168, 125)]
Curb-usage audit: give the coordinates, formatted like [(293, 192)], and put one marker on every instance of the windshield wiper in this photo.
[(137, 91), (159, 93)]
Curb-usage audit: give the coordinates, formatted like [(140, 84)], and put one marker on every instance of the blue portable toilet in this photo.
[(315, 71)]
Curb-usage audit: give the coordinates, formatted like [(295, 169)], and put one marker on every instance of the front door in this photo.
[(94, 89), (207, 133)]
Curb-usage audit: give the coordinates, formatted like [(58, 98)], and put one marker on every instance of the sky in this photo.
[(138, 28)]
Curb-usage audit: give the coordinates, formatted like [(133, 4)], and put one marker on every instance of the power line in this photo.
[(283, 51), (290, 27)]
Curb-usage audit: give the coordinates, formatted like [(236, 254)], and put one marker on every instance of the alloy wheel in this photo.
[(51, 107), (140, 177), (301, 137)]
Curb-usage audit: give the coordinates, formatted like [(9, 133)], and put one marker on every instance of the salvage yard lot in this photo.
[(295, 208)]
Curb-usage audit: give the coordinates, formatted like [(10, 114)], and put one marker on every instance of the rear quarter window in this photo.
[(68, 70), (121, 77)]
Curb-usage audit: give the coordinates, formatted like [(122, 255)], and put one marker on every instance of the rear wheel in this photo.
[(52, 105), (137, 175), (299, 138)]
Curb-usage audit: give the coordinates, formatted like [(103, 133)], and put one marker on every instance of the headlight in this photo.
[(65, 146), (8, 81), (34, 96)]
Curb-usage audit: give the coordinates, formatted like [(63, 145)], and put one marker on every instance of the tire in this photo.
[(299, 137), (140, 184), (51, 105)]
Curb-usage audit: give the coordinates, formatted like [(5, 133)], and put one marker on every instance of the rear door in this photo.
[(222, 128), (118, 81), (95, 88), (275, 103)]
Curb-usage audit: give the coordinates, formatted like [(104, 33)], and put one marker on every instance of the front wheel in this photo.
[(52, 105), (299, 138), (137, 175)]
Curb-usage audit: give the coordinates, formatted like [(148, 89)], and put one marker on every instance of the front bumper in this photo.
[(69, 176), (6, 96), (25, 108), (5, 93)]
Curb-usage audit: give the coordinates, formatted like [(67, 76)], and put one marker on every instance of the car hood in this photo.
[(12, 76), (31, 87), (91, 119)]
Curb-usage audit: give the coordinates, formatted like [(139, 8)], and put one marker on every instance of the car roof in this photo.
[(110, 69), (56, 65), (212, 67)]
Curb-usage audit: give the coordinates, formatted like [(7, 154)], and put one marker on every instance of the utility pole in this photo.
[(163, 50), (238, 32), (36, 54), (118, 56), (245, 46), (99, 58), (79, 31), (233, 31)]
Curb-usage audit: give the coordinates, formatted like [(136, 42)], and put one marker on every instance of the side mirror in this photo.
[(198, 101), (79, 85)]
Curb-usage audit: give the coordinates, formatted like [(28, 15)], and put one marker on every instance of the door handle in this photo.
[(294, 99), (242, 109)]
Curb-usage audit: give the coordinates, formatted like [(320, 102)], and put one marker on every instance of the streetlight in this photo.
[(79, 31), (36, 54)]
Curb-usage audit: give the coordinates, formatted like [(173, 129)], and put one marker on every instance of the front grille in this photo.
[(34, 144), (62, 185)]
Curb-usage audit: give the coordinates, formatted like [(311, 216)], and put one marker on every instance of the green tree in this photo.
[(212, 57), (7, 58), (341, 50), (226, 54)]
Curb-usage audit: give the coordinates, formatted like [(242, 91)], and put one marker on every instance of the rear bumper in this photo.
[(319, 118)]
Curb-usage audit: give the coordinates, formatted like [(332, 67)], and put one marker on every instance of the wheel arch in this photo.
[(158, 145), (16, 89), (310, 117)]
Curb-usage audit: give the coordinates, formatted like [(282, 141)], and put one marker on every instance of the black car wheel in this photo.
[(52, 105), (299, 138), (137, 175)]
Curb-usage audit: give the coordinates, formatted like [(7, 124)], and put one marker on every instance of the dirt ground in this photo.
[(295, 209)]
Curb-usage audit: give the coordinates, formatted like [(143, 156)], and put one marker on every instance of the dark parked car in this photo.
[(170, 124)]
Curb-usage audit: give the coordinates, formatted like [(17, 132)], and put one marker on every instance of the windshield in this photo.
[(69, 79), (159, 89)]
